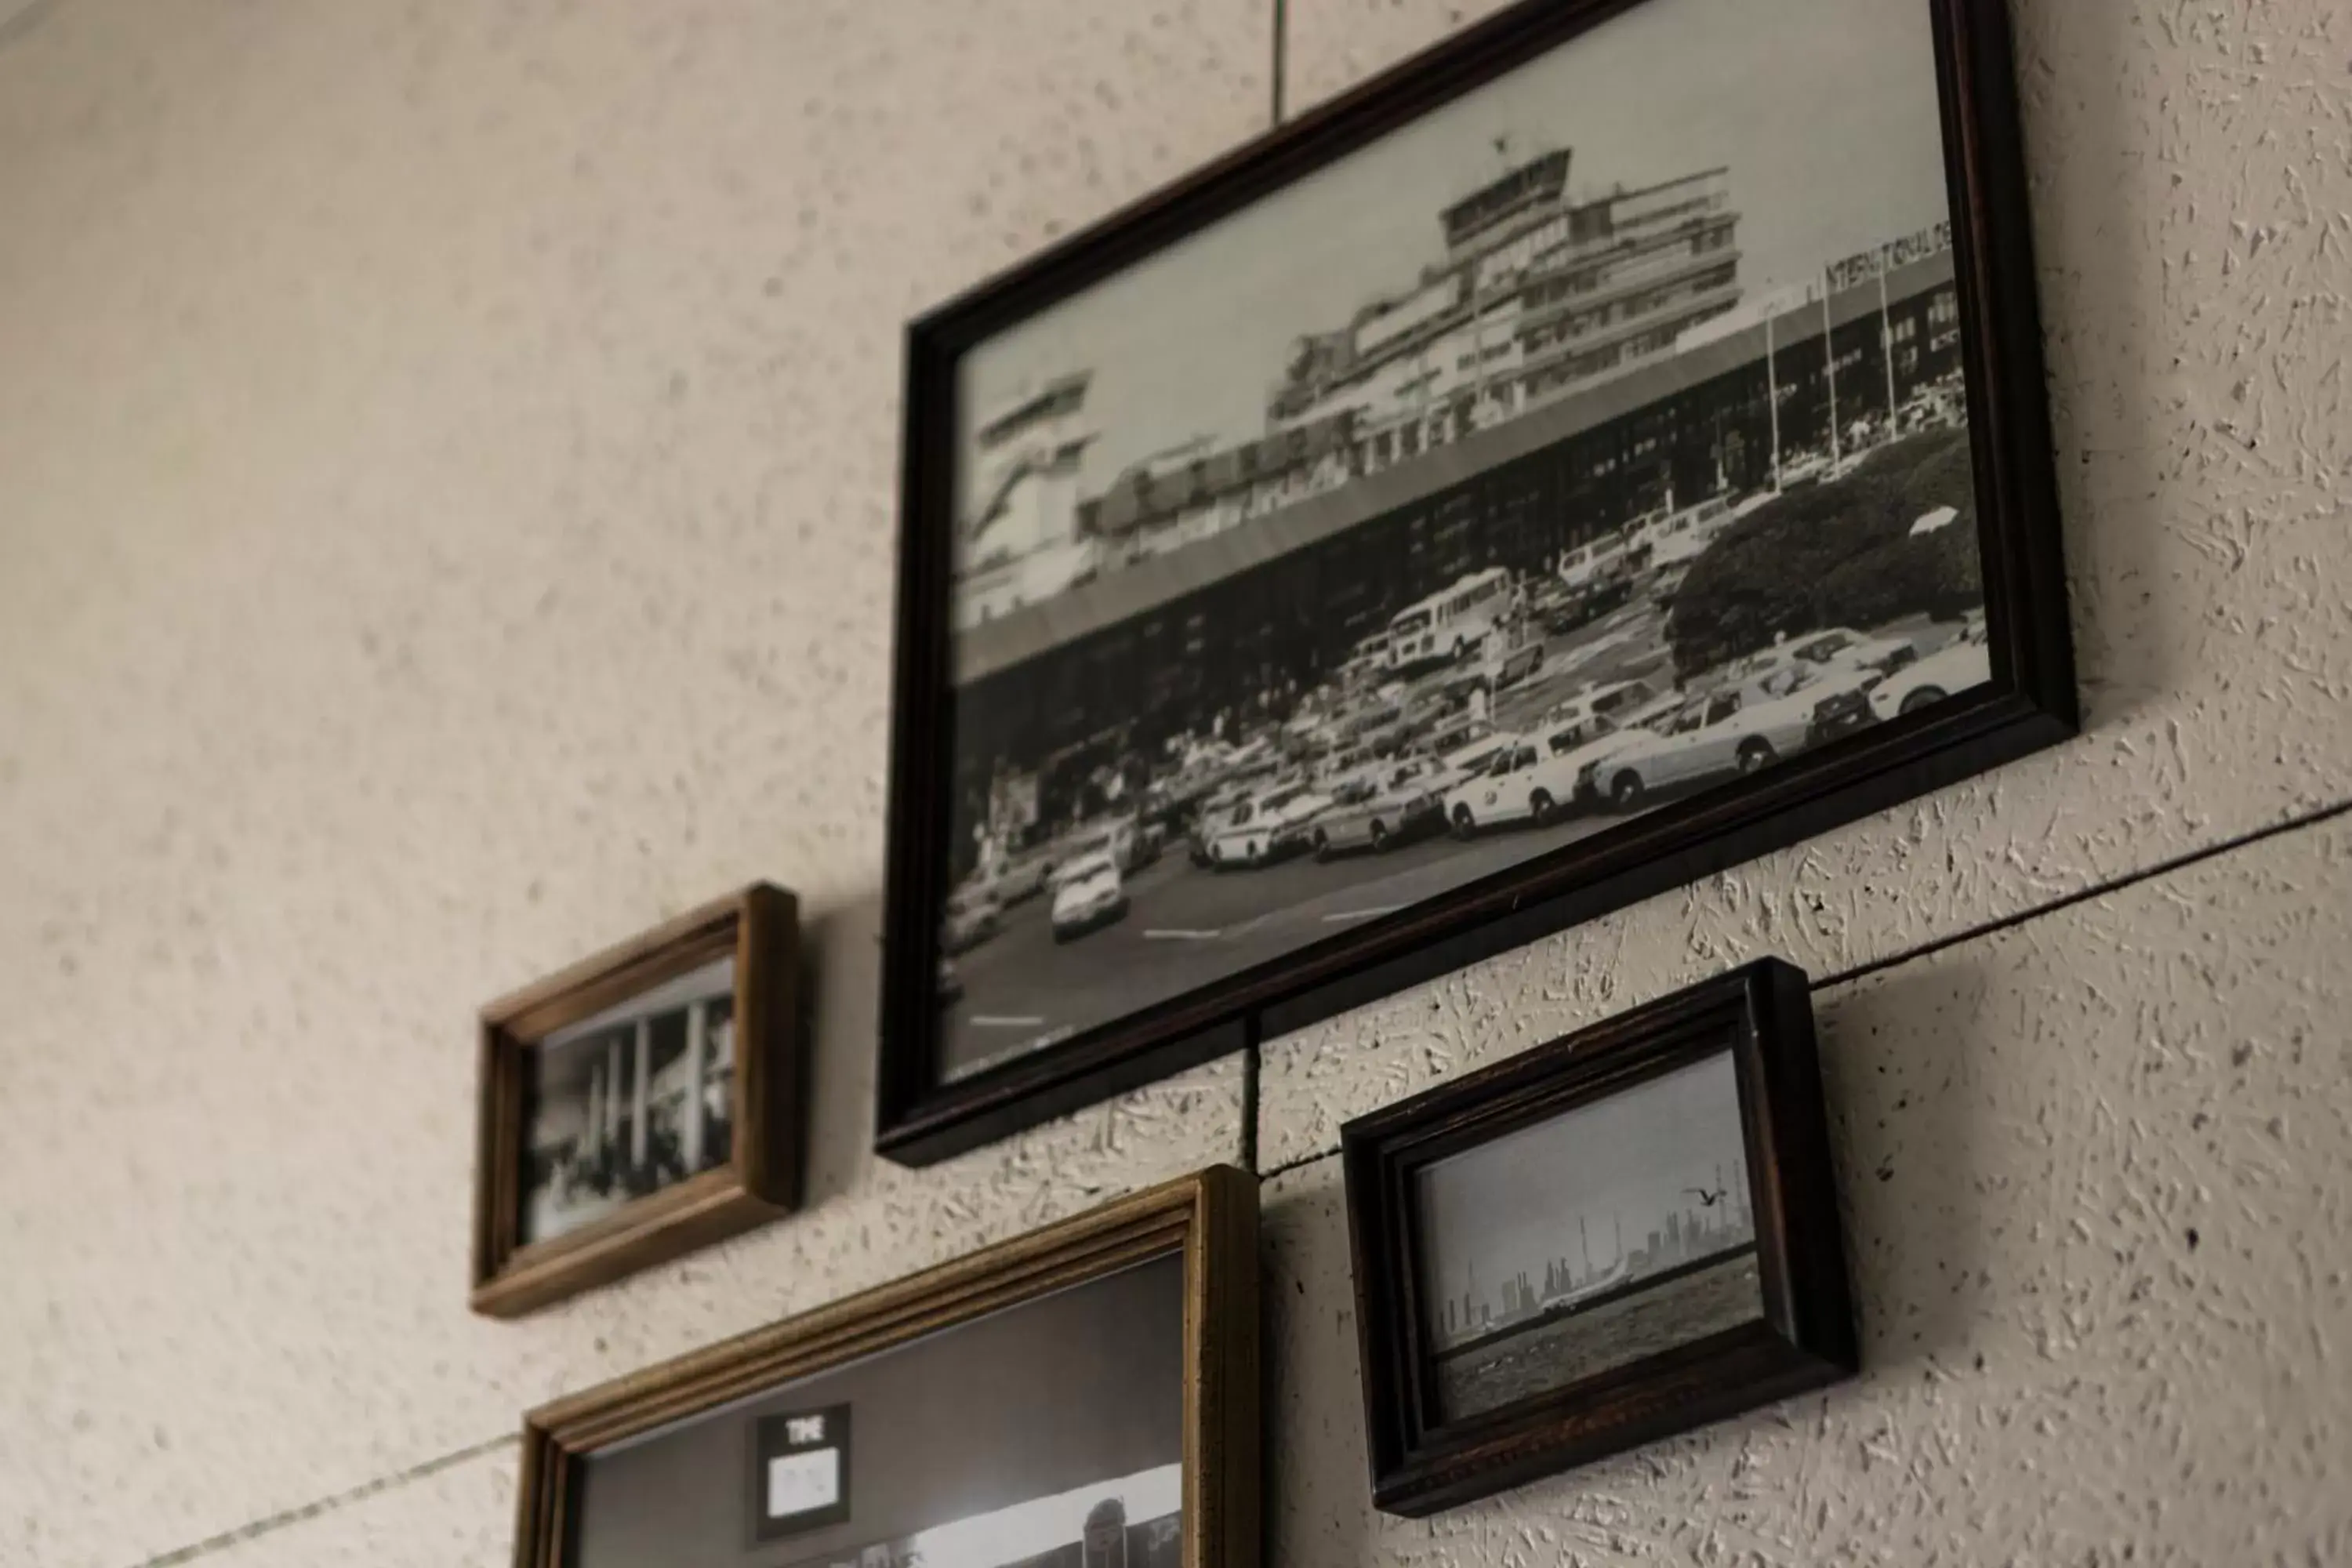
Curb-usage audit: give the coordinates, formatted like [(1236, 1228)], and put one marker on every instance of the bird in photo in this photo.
[(1707, 1197)]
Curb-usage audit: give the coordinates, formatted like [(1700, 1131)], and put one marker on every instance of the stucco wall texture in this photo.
[(445, 491)]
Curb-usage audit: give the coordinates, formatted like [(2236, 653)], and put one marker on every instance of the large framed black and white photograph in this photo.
[(1616, 1236), (1607, 448)]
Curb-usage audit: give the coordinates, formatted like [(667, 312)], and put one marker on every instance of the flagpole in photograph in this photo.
[(1886, 346), (1829, 364)]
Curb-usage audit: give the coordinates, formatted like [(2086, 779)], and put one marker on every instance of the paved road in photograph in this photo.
[(1186, 926)]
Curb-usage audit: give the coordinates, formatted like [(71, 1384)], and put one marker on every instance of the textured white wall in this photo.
[(445, 475)]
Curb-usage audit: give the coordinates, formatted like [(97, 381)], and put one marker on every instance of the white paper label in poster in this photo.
[(798, 1483)]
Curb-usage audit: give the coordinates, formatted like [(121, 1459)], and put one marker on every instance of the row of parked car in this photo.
[(1619, 744), (1364, 769), (1610, 746)]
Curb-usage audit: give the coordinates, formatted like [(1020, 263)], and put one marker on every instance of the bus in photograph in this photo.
[(1452, 624)]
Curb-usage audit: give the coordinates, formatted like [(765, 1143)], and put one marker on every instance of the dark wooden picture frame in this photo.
[(925, 1113), (759, 928), (1805, 1337), (1209, 1219)]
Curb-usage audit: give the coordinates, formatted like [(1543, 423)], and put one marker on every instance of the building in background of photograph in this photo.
[(1695, 1224), (1615, 1229), (628, 1101), (1539, 292), (1134, 1522), (1020, 542), (1607, 384)]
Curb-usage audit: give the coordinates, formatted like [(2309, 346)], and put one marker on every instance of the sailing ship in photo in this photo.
[(1589, 1242)]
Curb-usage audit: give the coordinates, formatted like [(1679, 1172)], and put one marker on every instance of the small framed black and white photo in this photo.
[(640, 1104), (1608, 446), (1618, 1235)]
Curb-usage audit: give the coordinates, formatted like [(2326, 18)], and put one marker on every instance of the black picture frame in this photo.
[(2030, 703), (1805, 1339)]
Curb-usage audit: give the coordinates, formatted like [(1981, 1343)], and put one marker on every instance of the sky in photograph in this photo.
[(1512, 1203), (1823, 111)]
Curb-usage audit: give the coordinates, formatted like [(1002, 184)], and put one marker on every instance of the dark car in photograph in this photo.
[(1022, 876), (1406, 804), (975, 913), (1517, 665), (1839, 712)]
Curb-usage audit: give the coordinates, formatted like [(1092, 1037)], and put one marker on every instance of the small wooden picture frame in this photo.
[(1621, 1235), (1087, 1393), (640, 1104)]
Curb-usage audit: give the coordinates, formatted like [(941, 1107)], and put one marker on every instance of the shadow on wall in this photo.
[(1313, 1394), (2099, 250), (841, 975), (1902, 1054), (19, 17)]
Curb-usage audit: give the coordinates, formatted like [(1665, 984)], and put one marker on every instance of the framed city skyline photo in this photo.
[(1607, 447), (1084, 1396), (1616, 1236), (640, 1104)]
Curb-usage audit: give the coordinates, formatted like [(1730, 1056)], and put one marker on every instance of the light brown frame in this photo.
[(1211, 1216), (761, 1182)]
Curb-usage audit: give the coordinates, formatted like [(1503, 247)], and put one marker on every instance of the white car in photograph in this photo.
[(1534, 779), (1594, 579), (1622, 702), (1735, 730), (1473, 756), (1021, 877), (1496, 793), (1260, 831), (1090, 896), (1841, 647), (1677, 539), (1963, 663)]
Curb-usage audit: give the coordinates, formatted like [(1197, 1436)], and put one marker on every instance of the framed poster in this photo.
[(1621, 1235), (1607, 447), (640, 1104), (1084, 1396)]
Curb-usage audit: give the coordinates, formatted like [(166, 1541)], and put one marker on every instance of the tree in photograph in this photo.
[(1843, 554)]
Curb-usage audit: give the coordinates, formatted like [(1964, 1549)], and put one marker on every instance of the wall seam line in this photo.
[(1251, 1062), (1993, 927), (2063, 901), (326, 1505)]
